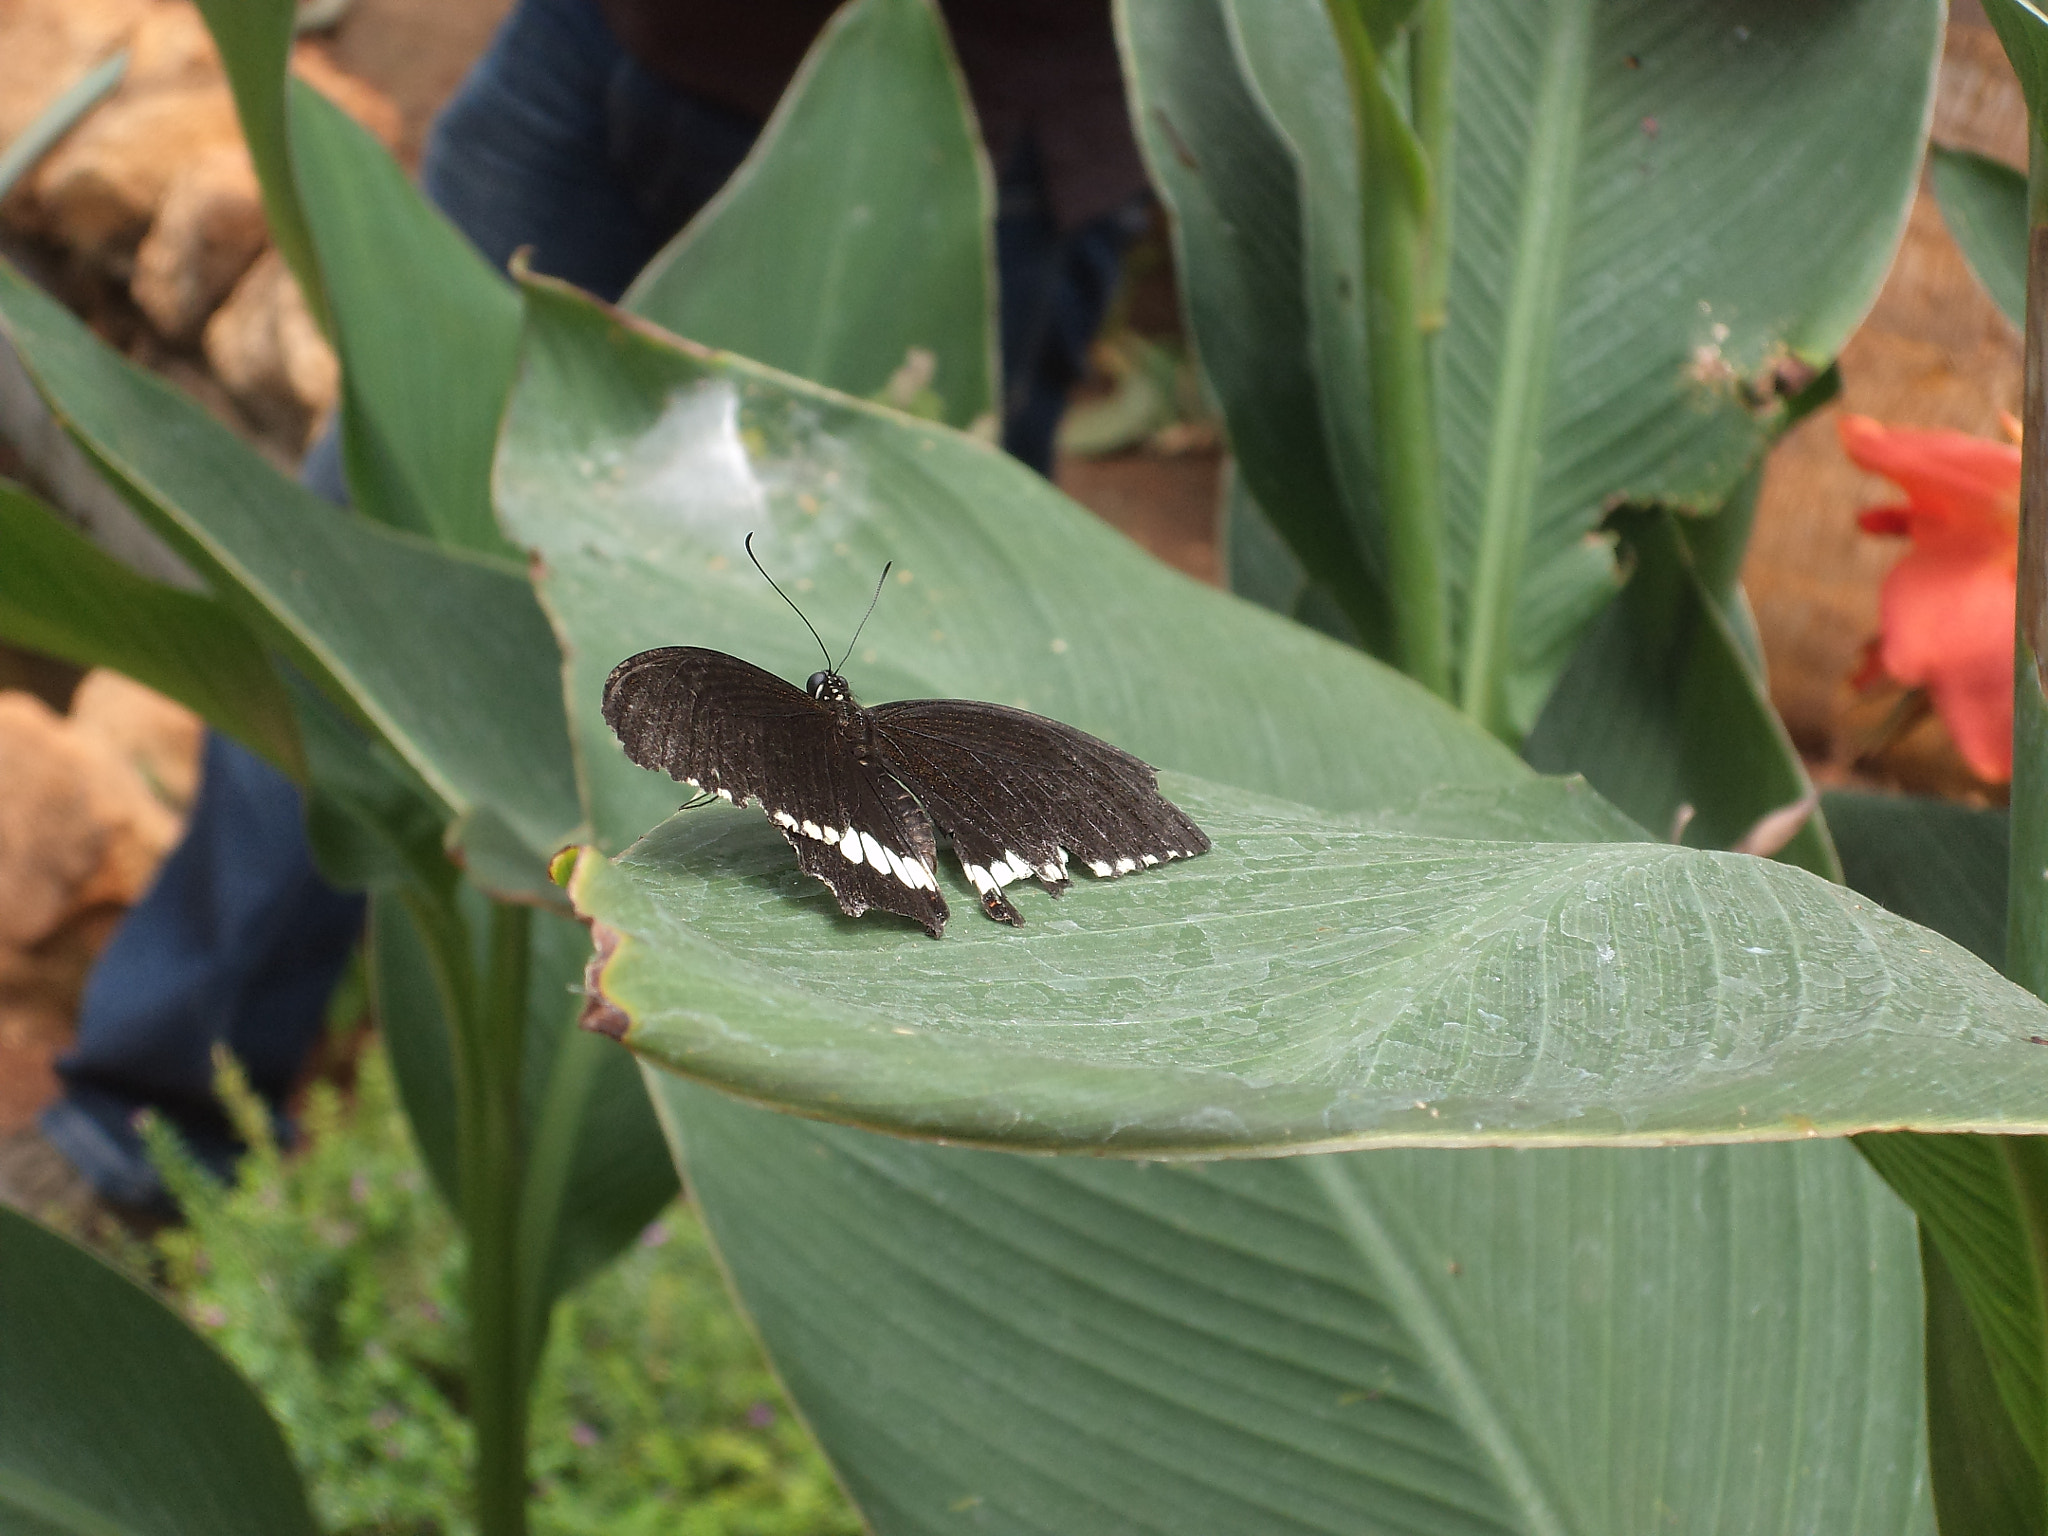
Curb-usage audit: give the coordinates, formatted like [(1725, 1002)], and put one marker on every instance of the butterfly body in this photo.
[(860, 793)]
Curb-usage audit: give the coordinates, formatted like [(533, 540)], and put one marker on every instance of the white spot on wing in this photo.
[(724, 794), (1098, 867), (1153, 858), (850, 846), (784, 819), (878, 856), (811, 829), (983, 884), (1125, 866)]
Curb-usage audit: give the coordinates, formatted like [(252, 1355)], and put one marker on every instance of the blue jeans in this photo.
[(557, 140)]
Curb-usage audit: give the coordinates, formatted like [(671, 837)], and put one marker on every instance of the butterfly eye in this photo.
[(816, 685)]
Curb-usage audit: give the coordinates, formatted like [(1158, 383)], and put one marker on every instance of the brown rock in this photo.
[(51, 843), (208, 231), (135, 725), (52, 975), (79, 825), (100, 188), (171, 48), (46, 45), (268, 352)]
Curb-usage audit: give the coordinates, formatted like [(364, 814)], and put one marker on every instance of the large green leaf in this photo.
[(1986, 1482), (1701, 1340), (116, 1419), (61, 595), (446, 654), (1658, 217), (1291, 988), (1939, 863), (1239, 245), (426, 360), (1968, 1193), (633, 464), (1984, 203), (1660, 709), (880, 105), (1313, 982)]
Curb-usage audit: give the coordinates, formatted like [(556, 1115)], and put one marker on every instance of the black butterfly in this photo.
[(857, 791)]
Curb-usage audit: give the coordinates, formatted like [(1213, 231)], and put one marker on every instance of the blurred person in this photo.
[(590, 131)]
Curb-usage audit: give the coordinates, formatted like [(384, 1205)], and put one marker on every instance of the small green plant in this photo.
[(332, 1277)]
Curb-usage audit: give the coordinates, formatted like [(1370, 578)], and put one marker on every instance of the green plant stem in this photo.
[(1430, 88), (487, 1078), (2027, 891), (1393, 184), (488, 1019), (2026, 950)]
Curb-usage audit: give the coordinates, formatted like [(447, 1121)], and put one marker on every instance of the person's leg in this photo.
[(559, 141), (200, 961), (520, 154), (1056, 288)]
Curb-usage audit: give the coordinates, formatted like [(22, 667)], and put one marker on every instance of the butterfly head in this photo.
[(829, 688)]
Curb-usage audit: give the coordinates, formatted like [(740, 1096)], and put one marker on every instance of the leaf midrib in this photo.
[(1535, 282), (1438, 1343)]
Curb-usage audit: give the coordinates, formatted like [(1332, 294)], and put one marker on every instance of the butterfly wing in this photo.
[(724, 725), (1021, 795)]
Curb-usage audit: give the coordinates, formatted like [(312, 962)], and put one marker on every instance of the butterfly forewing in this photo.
[(724, 725), (1020, 795)]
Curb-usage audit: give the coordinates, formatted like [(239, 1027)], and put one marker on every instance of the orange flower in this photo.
[(1945, 615)]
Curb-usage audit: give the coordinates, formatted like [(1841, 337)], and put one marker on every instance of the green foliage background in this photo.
[(332, 1279)]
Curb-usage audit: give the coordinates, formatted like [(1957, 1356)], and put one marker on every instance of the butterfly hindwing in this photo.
[(1022, 795), (880, 851), (726, 726)]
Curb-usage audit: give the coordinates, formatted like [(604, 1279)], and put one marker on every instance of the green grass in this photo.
[(332, 1278)]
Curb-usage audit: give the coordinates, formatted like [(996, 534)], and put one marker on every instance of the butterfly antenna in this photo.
[(792, 606), (887, 566)]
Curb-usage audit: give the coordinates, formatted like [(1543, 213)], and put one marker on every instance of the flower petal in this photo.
[(1947, 619), (1960, 484)]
